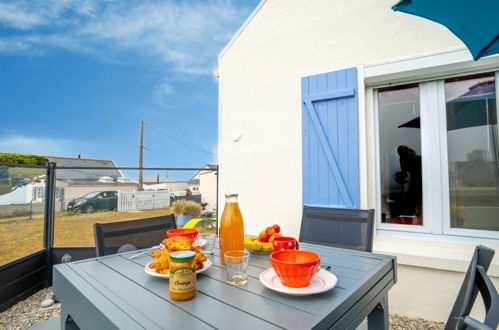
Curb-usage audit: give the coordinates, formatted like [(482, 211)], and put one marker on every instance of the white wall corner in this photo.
[(361, 101), (220, 135), (241, 29)]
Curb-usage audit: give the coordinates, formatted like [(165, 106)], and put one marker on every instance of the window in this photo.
[(472, 151), (59, 194), (400, 155), (438, 156), (38, 193)]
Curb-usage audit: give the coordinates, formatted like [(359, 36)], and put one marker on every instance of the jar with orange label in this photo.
[(182, 275)]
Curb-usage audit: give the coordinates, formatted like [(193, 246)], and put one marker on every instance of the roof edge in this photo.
[(241, 29), (95, 160)]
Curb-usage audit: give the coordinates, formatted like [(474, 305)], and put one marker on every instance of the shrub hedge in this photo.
[(186, 207), (23, 159)]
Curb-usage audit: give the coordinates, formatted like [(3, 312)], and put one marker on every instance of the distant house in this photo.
[(157, 182), (203, 183), (178, 188), (73, 183), (207, 186)]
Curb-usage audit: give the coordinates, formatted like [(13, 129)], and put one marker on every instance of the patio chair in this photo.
[(111, 238), (344, 228), (476, 280)]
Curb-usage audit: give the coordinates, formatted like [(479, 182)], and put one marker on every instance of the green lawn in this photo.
[(21, 236)]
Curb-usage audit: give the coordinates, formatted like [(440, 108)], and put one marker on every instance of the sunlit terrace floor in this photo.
[(28, 312)]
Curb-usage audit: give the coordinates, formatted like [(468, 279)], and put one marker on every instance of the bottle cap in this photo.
[(182, 255), (231, 195)]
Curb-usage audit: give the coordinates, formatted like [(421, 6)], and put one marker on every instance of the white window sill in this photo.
[(451, 256)]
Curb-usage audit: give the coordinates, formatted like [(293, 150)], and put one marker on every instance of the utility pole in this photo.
[(141, 156)]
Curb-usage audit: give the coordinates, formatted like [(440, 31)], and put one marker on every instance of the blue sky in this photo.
[(76, 77)]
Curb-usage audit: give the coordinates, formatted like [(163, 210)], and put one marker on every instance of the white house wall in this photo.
[(260, 114), (260, 98), (177, 186), (208, 189), (18, 196)]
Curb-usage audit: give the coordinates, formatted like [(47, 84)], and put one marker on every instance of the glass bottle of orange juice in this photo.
[(231, 230)]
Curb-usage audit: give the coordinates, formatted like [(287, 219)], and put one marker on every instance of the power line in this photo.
[(198, 148)]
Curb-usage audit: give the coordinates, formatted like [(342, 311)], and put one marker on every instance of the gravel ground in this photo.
[(400, 322), (27, 312)]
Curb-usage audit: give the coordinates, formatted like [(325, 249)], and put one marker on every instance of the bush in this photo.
[(23, 159), (185, 207), (13, 177)]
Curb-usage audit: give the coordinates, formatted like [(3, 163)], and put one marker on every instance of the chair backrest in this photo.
[(476, 280), (142, 233), (344, 228)]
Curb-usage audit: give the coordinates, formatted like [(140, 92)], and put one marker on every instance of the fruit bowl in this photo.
[(254, 246)]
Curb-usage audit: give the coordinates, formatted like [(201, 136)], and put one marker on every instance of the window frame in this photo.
[(436, 199), (39, 193), (425, 228)]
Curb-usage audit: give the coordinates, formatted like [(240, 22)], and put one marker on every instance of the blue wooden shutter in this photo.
[(330, 135)]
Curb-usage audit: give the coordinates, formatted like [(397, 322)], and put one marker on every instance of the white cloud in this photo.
[(162, 93), (8, 46), (26, 15), (37, 145), (184, 34), (15, 16)]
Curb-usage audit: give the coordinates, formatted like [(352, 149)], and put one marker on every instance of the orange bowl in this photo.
[(295, 268), (191, 233)]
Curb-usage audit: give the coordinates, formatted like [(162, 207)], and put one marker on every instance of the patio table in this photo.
[(113, 292)]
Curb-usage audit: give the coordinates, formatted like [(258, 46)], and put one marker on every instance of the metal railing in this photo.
[(24, 276)]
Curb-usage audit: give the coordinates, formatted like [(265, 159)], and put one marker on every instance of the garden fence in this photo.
[(143, 200)]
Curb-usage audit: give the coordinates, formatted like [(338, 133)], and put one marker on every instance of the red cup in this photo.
[(295, 268), (190, 233), (284, 243)]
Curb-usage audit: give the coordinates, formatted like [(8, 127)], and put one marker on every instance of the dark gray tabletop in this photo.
[(114, 292)]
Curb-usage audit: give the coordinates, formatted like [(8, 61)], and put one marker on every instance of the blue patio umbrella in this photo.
[(475, 22), (463, 113)]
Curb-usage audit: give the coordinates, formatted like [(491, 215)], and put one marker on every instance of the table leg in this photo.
[(64, 317), (67, 322), (378, 318)]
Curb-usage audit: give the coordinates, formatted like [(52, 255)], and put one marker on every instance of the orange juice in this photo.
[(231, 227)]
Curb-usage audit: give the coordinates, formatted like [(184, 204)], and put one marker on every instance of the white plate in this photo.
[(152, 272), (201, 242), (322, 281)]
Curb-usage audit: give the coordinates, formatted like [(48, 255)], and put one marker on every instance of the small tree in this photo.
[(12, 177)]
